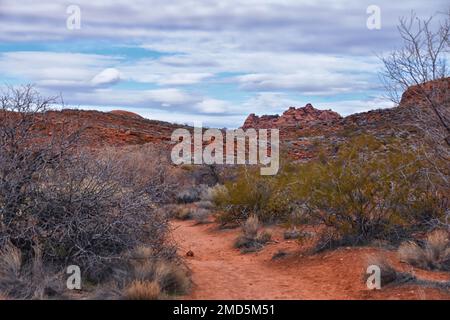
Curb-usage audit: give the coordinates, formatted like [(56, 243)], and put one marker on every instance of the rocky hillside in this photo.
[(293, 117), (115, 128), (303, 131)]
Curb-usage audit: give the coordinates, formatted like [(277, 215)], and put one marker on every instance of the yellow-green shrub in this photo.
[(371, 190), (251, 193)]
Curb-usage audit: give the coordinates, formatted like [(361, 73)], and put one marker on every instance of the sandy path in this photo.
[(221, 272)]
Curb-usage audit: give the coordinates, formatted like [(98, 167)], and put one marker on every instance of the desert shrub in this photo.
[(145, 167), (200, 215), (210, 194), (433, 255), (205, 204), (371, 190), (182, 213), (76, 206), (293, 234), (189, 195), (265, 196), (251, 226), (252, 238), (170, 210)]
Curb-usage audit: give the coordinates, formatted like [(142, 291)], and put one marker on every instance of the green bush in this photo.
[(251, 193), (371, 190)]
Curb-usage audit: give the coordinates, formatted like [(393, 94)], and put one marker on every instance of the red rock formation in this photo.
[(438, 91), (293, 117)]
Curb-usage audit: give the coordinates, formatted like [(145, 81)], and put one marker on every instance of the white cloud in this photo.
[(106, 76), (209, 105), (54, 68)]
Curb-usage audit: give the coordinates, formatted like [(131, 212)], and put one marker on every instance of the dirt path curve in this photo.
[(221, 272)]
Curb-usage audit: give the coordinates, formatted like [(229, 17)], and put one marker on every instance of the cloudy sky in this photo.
[(214, 60)]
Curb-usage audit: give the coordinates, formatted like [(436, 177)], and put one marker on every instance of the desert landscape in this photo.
[(93, 205)]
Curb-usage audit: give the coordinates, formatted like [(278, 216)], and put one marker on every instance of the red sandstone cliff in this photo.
[(293, 117)]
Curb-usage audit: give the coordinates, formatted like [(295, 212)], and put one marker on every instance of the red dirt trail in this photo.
[(220, 271)]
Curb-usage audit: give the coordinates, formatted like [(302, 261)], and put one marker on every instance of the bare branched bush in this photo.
[(417, 76), (77, 207), (146, 168)]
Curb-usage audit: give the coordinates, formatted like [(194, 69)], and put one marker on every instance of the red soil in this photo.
[(221, 272)]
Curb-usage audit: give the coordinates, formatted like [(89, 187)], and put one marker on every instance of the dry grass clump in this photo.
[(388, 274), (147, 276), (210, 194), (200, 215), (19, 280), (183, 213), (142, 290), (251, 238), (180, 212), (204, 204), (433, 255)]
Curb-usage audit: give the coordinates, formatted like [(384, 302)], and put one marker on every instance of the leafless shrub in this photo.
[(146, 168), (420, 65), (78, 207), (434, 255)]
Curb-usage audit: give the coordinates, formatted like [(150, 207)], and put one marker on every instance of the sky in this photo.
[(214, 61)]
